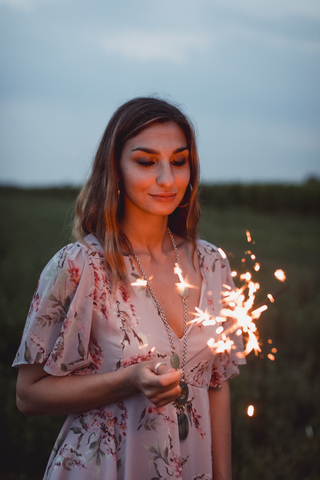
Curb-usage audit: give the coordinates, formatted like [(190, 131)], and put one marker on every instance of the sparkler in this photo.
[(182, 285), (140, 282), (238, 305)]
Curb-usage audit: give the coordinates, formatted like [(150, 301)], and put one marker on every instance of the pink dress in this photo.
[(77, 327)]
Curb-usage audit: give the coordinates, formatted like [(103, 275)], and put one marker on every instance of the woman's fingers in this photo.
[(160, 389), (164, 398), (164, 388)]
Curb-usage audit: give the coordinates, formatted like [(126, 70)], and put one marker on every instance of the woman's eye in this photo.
[(179, 162), (145, 163)]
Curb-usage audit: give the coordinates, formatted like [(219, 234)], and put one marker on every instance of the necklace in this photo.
[(181, 401)]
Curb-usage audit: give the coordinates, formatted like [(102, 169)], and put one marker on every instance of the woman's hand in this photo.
[(160, 388)]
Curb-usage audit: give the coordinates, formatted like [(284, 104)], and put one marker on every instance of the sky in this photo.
[(247, 73)]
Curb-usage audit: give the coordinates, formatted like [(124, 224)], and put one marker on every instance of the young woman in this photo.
[(110, 337)]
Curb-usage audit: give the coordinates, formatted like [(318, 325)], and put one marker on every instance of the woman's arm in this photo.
[(220, 415), (39, 393)]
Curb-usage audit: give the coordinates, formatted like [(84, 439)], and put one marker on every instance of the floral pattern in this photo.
[(77, 327)]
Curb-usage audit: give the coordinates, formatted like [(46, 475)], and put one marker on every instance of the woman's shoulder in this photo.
[(78, 253), (207, 247), (209, 254), (205, 244)]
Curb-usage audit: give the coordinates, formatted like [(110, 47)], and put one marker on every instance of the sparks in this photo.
[(245, 276), (280, 275), (182, 285), (140, 282), (238, 306), (202, 317), (250, 411), (222, 345)]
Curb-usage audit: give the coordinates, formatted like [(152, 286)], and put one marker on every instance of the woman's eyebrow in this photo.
[(156, 152)]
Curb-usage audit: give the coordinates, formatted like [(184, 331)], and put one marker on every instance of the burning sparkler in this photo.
[(238, 305), (182, 285), (140, 282)]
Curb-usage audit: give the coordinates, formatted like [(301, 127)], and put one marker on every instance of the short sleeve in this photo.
[(226, 364), (58, 325)]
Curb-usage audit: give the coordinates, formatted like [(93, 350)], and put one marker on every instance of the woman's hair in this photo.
[(100, 205)]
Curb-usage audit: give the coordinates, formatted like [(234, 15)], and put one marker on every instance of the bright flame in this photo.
[(250, 411), (140, 282), (182, 285), (202, 317), (223, 345), (246, 276), (280, 275), (223, 255), (256, 313), (237, 305)]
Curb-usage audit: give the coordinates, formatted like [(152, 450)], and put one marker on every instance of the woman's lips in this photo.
[(164, 197)]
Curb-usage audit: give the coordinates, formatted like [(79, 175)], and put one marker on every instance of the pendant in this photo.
[(183, 426), (183, 397), (184, 292), (175, 361)]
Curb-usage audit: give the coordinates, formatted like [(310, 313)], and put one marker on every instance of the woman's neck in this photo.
[(147, 235)]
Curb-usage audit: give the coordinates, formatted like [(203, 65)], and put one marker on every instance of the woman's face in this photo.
[(155, 170)]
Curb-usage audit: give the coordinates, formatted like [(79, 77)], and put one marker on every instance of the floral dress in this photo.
[(77, 327)]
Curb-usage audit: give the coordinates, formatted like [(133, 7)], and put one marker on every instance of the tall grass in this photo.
[(282, 439)]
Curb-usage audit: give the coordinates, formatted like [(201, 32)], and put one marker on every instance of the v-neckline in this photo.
[(202, 288)]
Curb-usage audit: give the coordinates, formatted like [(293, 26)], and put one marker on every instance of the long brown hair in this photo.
[(99, 204)]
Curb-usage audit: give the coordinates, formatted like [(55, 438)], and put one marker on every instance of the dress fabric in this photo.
[(77, 327)]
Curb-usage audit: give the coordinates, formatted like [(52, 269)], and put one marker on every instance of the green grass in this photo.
[(273, 444)]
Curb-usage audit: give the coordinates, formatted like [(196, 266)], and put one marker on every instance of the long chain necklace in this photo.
[(181, 401)]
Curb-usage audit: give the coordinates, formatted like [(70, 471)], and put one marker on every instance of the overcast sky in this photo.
[(246, 71)]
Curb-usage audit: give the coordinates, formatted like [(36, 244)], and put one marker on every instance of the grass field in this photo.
[(282, 440)]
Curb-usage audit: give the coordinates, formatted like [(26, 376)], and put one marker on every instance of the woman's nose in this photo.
[(165, 175)]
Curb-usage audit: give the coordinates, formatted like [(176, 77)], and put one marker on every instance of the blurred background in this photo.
[(247, 72)]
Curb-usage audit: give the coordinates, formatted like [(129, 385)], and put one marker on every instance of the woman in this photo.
[(110, 337)]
